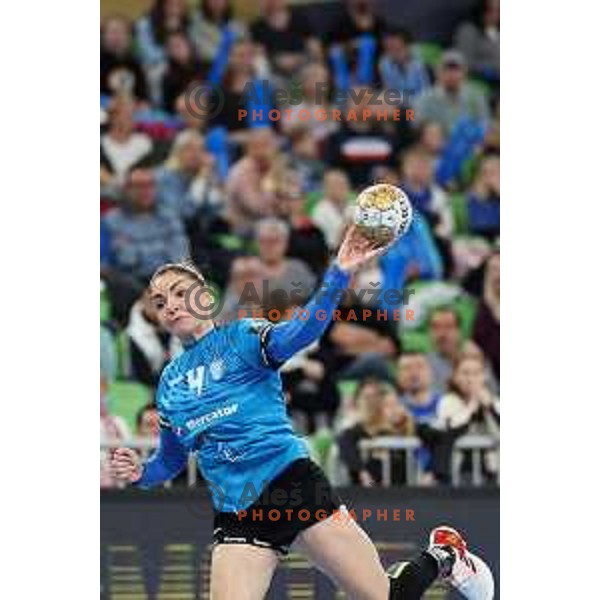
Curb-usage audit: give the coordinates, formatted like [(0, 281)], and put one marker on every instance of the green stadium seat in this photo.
[(466, 308), (468, 170), (127, 398), (415, 341), (310, 201), (482, 86), (320, 444), (230, 242), (105, 307), (429, 53), (347, 387), (123, 354), (459, 212)]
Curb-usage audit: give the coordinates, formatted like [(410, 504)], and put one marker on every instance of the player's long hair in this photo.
[(185, 268)]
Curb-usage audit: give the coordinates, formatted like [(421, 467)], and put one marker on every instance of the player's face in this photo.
[(170, 300)]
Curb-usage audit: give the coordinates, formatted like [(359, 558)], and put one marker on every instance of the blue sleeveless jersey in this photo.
[(223, 399)]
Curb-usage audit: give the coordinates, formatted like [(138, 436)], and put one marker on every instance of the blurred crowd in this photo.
[(251, 201)]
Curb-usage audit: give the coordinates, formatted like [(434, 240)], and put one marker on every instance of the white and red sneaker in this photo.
[(467, 573)]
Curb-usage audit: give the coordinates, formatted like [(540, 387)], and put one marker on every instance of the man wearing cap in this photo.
[(452, 97)]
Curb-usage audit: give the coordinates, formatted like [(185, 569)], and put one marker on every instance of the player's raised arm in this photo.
[(166, 463), (282, 341)]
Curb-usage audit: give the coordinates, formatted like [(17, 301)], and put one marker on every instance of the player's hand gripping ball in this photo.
[(383, 213)]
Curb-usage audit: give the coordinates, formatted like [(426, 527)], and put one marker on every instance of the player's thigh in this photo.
[(241, 572), (343, 551)]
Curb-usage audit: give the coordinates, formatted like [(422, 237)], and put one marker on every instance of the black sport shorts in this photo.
[(296, 499)]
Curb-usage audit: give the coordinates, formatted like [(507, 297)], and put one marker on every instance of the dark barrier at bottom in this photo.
[(156, 545)]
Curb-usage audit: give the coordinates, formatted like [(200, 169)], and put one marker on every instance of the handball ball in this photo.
[(383, 213)]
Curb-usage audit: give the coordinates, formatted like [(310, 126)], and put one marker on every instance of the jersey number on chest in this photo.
[(195, 379)]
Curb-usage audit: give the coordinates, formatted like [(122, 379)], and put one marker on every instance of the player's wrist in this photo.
[(340, 265), (137, 475)]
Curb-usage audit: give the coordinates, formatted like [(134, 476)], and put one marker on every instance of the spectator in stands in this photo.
[(470, 349), (306, 241), (182, 68), (361, 144), (422, 403), (141, 238), (483, 202), (113, 431), (452, 98), (150, 347), (193, 112), (445, 336), (153, 29), (304, 158), (414, 381), (378, 415), (384, 174), (479, 41), (471, 407), (108, 354), (359, 343), (486, 330), (414, 256), (400, 69), (491, 143), (314, 90), (358, 20), (120, 72), (187, 183), (426, 197), (288, 274), (302, 377), (209, 24), (330, 214), (281, 35), (252, 181), (431, 140), (245, 287), (242, 85), (121, 147), (148, 422)]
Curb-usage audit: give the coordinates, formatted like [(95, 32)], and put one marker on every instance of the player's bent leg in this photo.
[(241, 572), (344, 552)]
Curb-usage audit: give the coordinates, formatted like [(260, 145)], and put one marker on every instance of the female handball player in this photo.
[(222, 399)]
